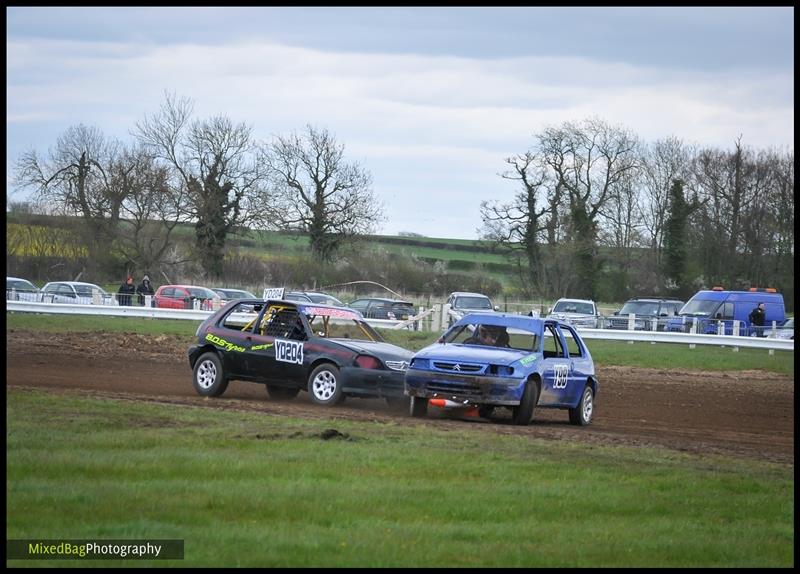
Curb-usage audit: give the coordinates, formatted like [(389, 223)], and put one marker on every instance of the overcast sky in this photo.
[(429, 100)]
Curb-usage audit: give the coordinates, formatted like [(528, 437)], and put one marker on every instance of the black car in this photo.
[(291, 346), (379, 308), (648, 311)]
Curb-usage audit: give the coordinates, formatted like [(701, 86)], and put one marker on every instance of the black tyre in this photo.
[(582, 414), (209, 378), (282, 393), (523, 413), (418, 407), (325, 385)]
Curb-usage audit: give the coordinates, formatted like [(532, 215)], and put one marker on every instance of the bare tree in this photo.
[(516, 225), (318, 192), (216, 169), (590, 159), (72, 179)]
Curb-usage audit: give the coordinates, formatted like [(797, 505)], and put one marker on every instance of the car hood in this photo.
[(385, 351), (471, 353), (570, 316)]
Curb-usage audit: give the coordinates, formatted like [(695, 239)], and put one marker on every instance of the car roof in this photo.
[(504, 320), (74, 283), (307, 308), (384, 299), (576, 300), (654, 299), (467, 293)]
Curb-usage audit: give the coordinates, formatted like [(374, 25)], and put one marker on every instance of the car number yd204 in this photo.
[(289, 351)]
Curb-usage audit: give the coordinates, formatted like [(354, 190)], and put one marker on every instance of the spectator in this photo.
[(145, 288), (756, 318), (126, 291)]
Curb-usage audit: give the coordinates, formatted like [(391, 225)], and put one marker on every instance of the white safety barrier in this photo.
[(691, 339)]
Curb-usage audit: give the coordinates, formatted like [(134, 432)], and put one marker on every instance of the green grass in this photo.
[(247, 489), (605, 353)]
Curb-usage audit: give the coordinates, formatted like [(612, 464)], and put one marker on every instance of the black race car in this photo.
[(290, 346)]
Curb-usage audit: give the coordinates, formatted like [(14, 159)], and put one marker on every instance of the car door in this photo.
[(580, 367), (64, 294), (277, 344), (556, 367)]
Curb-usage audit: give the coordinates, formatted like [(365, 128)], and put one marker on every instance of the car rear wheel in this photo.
[(282, 393), (209, 378), (418, 407), (522, 414), (325, 385), (582, 414)]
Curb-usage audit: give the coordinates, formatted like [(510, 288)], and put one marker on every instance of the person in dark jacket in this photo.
[(126, 291), (756, 318), (145, 288)]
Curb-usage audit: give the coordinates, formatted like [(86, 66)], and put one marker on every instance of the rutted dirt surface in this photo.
[(747, 414)]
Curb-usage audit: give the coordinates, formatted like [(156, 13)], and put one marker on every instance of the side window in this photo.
[(573, 348), (283, 323), (242, 317), (552, 343), (66, 291), (727, 311), (168, 292)]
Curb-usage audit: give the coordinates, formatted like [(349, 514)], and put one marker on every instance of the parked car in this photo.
[(380, 308), (648, 311), (21, 290), (709, 308), (226, 294), (462, 303), (785, 331), (577, 312), (323, 298), (184, 297), (490, 360), (330, 352), (76, 292), (297, 296)]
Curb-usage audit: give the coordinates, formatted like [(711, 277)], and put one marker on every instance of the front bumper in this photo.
[(466, 389), (373, 382)]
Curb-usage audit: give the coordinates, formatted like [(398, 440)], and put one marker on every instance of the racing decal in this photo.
[(261, 347), (528, 360), (220, 342), (322, 312), (289, 351), (560, 373)]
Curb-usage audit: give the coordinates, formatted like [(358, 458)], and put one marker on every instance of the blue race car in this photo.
[(499, 360)]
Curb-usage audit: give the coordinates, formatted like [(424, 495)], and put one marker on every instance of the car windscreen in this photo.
[(699, 308), (201, 293), (86, 290), (493, 336), (341, 328), (20, 285), (573, 307), (639, 308), (472, 303)]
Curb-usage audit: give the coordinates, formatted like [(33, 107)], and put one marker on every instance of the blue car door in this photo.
[(579, 365), (556, 367)]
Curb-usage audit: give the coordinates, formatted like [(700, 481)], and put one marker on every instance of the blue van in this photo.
[(716, 306)]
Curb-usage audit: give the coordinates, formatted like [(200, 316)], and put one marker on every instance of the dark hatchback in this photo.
[(293, 346), (380, 308)]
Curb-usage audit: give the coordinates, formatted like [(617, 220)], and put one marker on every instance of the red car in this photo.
[(184, 297)]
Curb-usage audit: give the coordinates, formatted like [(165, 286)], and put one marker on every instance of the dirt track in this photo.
[(747, 414)]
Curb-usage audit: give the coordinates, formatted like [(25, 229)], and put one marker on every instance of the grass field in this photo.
[(661, 355), (246, 489)]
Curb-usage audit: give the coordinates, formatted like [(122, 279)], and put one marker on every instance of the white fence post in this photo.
[(631, 321), (148, 300), (436, 318)]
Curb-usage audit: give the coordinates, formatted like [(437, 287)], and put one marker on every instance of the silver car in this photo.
[(76, 293), (581, 313)]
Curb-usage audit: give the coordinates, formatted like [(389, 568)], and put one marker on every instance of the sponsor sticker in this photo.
[(289, 351), (528, 360)]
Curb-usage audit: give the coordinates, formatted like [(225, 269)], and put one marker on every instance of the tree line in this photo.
[(598, 213), (209, 172)]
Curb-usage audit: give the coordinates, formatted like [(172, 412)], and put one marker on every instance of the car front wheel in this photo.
[(209, 378), (523, 413), (325, 385), (418, 407), (582, 414)]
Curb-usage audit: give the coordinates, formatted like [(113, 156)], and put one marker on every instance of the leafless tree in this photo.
[(216, 171), (316, 191)]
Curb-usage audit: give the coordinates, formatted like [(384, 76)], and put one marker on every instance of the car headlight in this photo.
[(421, 363), (397, 365)]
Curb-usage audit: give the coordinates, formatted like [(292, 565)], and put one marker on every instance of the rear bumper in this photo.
[(503, 391)]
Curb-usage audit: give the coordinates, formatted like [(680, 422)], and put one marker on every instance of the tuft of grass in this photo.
[(248, 489)]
